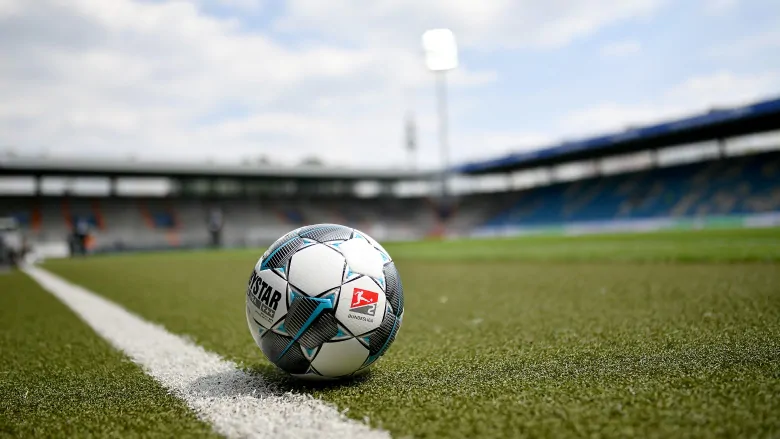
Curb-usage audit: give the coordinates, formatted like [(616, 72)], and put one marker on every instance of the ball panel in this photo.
[(374, 243), (326, 232), (360, 305), (390, 338), (379, 349), (279, 257), (279, 328), (292, 361), (265, 296), (381, 337), (272, 344), (322, 329), (309, 353), (301, 309), (278, 243), (362, 258), (393, 288), (342, 332), (254, 325), (340, 358), (316, 269)]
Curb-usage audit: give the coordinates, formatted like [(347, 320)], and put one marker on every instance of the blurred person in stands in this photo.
[(12, 243), (79, 237), (215, 223), (9, 243)]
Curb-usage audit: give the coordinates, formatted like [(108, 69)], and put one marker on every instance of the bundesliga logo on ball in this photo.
[(324, 301)]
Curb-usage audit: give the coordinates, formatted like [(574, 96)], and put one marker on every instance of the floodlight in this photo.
[(441, 51), (441, 55)]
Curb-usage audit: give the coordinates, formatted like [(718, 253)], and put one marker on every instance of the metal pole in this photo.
[(441, 96), (411, 139)]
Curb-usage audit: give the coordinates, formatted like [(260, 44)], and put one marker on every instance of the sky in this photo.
[(231, 81)]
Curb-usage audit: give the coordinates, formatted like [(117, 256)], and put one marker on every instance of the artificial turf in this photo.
[(60, 379), (652, 335), (725, 245)]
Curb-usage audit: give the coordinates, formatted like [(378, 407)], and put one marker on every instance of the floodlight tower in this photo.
[(441, 55)]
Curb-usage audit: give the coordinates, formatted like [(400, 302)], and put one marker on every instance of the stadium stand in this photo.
[(126, 223), (261, 204), (736, 186), (716, 188)]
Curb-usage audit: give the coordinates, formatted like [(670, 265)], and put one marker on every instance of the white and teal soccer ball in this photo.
[(324, 301)]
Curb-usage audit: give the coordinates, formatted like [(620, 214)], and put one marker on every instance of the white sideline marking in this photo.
[(236, 403)]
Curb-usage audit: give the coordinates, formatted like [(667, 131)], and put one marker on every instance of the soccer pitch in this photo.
[(673, 334)]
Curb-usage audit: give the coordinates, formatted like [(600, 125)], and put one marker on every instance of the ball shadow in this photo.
[(285, 382)]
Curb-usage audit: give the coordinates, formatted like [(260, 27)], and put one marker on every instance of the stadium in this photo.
[(618, 285), (718, 169), (614, 328)]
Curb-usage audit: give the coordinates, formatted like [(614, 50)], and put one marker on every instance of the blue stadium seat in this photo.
[(163, 220), (722, 187), (88, 218)]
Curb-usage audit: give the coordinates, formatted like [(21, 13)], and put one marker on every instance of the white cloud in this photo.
[(617, 49), (695, 95), (247, 5), (487, 25), (719, 6), (749, 46), (164, 80), (725, 88), (9, 8)]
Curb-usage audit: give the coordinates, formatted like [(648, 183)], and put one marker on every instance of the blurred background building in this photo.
[(716, 169)]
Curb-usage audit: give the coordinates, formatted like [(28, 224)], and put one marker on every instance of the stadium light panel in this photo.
[(441, 50)]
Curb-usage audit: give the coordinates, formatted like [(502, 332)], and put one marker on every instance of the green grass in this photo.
[(59, 379), (745, 245), (551, 337)]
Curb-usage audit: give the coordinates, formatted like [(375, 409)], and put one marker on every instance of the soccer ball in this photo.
[(324, 301)]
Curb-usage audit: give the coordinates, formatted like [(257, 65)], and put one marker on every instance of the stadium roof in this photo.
[(103, 168), (716, 124)]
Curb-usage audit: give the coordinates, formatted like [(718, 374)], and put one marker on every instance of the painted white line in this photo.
[(236, 403)]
